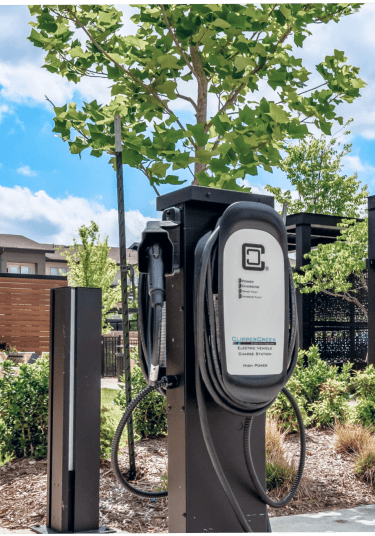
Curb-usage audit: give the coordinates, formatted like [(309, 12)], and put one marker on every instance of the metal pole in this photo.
[(124, 287), (371, 280)]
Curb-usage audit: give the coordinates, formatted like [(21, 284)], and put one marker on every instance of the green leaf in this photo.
[(199, 134), (168, 61)]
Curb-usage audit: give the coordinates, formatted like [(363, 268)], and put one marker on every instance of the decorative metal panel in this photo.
[(339, 327)]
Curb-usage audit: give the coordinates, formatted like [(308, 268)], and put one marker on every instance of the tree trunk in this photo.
[(201, 114)]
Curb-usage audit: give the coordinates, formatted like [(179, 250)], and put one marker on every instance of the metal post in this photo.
[(73, 469), (124, 288), (303, 246), (371, 280)]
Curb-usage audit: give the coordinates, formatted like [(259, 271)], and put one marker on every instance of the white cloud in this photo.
[(354, 163), (25, 170), (48, 220), (4, 110), (24, 81)]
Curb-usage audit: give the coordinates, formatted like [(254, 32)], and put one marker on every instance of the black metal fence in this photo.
[(340, 328), (110, 347)]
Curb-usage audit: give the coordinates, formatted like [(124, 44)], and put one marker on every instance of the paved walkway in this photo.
[(359, 519)]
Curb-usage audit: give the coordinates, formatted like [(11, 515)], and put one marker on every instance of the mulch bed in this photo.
[(329, 484)]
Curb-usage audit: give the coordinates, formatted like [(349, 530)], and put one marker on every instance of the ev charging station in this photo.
[(216, 279)]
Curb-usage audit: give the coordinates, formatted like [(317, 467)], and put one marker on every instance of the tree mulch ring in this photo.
[(329, 483)]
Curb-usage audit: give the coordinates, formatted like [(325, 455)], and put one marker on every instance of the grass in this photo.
[(359, 442), (107, 396), (365, 464), (280, 472), (351, 438)]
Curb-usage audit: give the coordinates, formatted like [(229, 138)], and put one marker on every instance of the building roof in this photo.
[(114, 253), (10, 241)]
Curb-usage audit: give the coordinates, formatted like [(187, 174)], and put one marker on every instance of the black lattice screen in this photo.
[(339, 328)]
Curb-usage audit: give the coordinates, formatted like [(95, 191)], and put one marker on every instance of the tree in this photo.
[(227, 52), (90, 266), (331, 265), (314, 168)]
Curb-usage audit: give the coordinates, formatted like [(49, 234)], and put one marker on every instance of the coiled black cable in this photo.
[(250, 464), (208, 369), (163, 383)]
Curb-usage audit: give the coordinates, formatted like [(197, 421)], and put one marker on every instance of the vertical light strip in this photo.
[(71, 378)]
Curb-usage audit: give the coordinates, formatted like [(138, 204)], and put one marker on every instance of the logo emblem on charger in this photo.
[(251, 257)]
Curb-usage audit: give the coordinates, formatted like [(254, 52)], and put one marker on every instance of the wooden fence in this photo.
[(25, 310)]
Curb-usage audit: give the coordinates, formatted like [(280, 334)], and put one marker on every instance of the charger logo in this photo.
[(251, 257)]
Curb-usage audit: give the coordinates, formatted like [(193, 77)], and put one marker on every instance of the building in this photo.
[(21, 255)]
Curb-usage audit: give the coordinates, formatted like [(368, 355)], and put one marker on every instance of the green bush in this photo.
[(24, 409), (150, 416), (321, 392), (24, 413), (332, 406), (364, 382), (364, 412)]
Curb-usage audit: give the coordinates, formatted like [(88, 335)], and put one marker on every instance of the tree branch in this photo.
[(144, 170), (189, 99), (191, 67)]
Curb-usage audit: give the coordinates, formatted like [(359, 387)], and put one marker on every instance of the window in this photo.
[(56, 271), (20, 268)]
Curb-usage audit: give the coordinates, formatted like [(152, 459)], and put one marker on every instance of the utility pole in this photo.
[(124, 287)]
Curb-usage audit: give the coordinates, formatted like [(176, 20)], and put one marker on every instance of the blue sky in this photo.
[(46, 193)]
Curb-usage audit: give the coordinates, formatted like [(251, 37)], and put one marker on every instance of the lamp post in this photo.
[(124, 287)]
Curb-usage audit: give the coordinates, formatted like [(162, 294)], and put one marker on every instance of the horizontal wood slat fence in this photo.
[(25, 310)]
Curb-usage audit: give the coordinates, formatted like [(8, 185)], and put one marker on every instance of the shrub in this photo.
[(364, 382), (24, 409), (365, 464), (321, 392), (350, 438), (332, 406), (364, 412), (150, 416)]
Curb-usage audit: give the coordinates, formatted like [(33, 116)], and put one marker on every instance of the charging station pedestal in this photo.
[(197, 502), (73, 467)]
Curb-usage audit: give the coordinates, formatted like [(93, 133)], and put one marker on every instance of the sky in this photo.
[(46, 193)]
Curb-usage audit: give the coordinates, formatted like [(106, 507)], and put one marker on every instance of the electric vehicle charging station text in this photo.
[(231, 345)]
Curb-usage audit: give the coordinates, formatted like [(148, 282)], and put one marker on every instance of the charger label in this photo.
[(254, 303)]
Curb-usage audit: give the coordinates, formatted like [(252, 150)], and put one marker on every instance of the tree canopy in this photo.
[(90, 266), (314, 168), (332, 266), (220, 59)]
